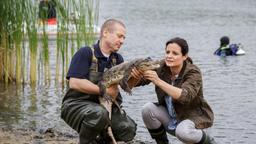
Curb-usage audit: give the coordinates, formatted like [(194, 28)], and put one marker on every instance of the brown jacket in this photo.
[(191, 105)]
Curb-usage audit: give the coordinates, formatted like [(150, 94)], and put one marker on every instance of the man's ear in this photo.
[(105, 33)]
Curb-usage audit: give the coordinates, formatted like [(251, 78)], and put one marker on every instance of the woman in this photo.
[(181, 109)]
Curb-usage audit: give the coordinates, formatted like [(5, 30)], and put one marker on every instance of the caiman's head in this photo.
[(148, 64)]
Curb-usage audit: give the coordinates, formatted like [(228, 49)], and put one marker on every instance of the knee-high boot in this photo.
[(207, 139), (87, 136), (159, 135), (91, 136)]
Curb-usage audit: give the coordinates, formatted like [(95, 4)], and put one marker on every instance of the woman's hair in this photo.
[(224, 41), (181, 42)]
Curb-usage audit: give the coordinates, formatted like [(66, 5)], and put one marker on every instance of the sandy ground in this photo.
[(24, 136)]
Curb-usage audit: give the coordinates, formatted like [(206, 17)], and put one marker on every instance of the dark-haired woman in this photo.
[(181, 110)]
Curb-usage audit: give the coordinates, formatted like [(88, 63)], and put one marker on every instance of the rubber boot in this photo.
[(91, 136), (87, 136), (93, 126), (103, 138), (159, 135), (207, 139)]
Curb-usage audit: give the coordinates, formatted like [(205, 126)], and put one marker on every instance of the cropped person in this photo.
[(47, 11), (80, 108)]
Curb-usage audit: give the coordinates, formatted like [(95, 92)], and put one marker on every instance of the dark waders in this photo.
[(84, 114)]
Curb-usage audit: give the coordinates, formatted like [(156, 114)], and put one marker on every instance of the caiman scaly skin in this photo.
[(120, 74)]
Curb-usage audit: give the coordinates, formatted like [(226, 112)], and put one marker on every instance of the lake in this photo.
[(229, 82)]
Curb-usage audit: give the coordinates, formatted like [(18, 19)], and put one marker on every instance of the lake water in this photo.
[(229, 83)]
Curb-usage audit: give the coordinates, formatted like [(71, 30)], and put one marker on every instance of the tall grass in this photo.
[(31, 33), (25, 56)]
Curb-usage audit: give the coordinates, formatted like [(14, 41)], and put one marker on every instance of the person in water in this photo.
[(226, 49), (224, 45), (181, 110)]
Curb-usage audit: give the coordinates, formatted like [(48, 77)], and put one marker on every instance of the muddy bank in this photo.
[(26, 136), (48, 136)]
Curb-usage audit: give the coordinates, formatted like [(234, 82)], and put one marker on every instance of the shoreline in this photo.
[(27, 136), (48, 136)]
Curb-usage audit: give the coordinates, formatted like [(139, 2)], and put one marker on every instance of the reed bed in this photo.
[(25, 55)]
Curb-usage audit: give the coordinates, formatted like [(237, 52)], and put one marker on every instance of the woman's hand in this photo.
[(152, 76), (173, 91)]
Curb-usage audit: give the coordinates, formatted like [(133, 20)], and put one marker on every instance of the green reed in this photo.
[(25, 55), (74, 24), (31, 29), (11, 37)]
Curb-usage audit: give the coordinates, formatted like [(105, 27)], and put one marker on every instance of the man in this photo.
[(81, 109)]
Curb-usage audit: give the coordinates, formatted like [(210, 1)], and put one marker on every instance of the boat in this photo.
[(51, 29)]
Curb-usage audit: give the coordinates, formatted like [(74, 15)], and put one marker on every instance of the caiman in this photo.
[(120, 74)]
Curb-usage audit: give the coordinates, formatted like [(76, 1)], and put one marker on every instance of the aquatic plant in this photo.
[(25, 54)]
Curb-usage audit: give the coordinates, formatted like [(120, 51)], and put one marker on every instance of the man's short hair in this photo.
[(110, 25)]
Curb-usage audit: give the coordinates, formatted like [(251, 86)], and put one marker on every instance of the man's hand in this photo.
[(113, 91), (137, 75)]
